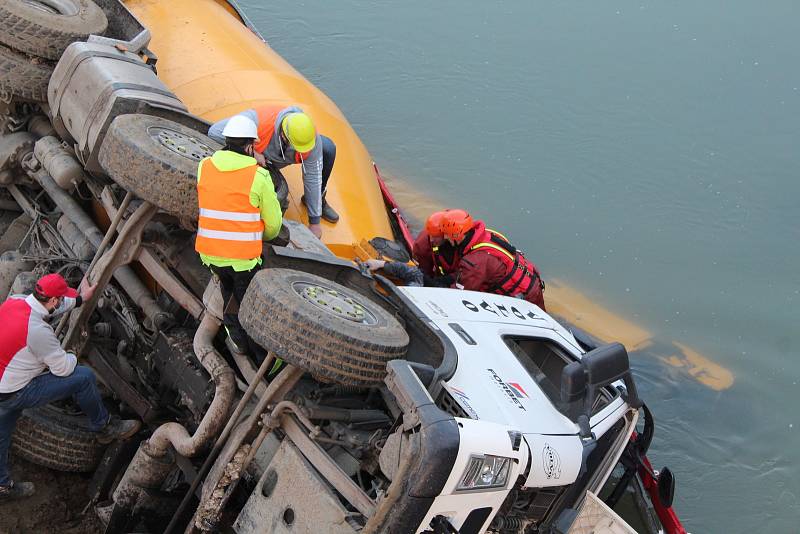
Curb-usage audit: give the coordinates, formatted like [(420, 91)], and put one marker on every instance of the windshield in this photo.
[(544, 361)]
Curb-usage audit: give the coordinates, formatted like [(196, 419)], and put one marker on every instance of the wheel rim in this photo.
[(335, 303), (180, 143), (54, 7)]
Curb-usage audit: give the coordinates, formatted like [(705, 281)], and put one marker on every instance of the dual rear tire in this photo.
[(157, 160), (332, 331), (58, 439), (34, 34)]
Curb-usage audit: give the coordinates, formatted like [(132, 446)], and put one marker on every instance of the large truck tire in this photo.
[(157, 160), (57, 439), (15, 232), (45, 28), (321, 326), (22, 76)]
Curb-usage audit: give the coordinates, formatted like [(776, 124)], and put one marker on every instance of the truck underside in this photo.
[(358, 431)]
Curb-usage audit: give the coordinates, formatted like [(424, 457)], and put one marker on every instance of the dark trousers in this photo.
[(80, 385), (233, 285), (328, 157)]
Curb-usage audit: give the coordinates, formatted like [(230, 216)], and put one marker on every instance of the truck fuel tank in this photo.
[(92, 84)]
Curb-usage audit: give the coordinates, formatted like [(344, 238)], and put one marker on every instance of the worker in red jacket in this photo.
[(471, 256), (35, 370)]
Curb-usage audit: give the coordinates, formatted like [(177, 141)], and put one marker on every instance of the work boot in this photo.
[(328, 213), (13, 491), (117, 429)]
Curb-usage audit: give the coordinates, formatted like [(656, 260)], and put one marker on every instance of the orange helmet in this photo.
[(432, 224), (454, 224)]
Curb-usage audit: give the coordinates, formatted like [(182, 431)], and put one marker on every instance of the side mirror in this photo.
[(607, 364), (666, 487), (573, 391), (573, 382)]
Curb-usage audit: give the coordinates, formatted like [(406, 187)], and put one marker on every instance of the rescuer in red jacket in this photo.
[(476, 258)]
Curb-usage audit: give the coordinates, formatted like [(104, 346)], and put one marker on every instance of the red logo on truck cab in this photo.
[(518, 391)]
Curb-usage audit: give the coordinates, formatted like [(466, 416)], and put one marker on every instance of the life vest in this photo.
[(229, 226), (521, 275), (267, 115)]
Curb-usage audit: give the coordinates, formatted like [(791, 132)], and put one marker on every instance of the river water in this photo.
[(644, 152)]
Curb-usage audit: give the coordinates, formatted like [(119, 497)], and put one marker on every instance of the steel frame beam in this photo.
[(160, 272), (329, 470), (124, 251)]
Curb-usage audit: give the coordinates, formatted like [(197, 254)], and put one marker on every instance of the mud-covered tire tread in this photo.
[(152, 172), (331, 347), (22, 76), (49, 438), (37, 33)]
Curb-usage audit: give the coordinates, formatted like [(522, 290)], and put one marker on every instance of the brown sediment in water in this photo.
[(576, 308)]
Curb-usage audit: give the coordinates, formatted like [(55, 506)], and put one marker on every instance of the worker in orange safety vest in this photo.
[(287, 136), (238, 211)]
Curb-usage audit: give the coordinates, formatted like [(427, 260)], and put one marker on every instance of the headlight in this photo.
[(485, 472)]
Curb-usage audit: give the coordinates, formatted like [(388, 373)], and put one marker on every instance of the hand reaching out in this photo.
[(86, 290), (374, 265)]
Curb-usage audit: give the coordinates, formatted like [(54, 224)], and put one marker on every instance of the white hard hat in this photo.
[(240, 126)]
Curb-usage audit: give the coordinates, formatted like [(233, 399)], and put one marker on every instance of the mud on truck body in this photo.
[(399, 409)]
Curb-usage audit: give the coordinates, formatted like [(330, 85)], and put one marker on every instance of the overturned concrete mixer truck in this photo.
[(400, 409)]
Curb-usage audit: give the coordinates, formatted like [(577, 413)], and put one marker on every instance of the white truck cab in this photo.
[(506, 395)]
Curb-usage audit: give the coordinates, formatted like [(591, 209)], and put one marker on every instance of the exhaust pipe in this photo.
[(215, 418), (154, 459)]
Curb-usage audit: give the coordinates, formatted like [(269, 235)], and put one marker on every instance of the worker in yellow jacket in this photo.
[(238, 211)]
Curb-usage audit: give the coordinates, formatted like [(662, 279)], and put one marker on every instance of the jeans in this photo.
[(80, 385)]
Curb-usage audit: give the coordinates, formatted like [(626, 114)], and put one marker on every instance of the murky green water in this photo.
[(645, 152)]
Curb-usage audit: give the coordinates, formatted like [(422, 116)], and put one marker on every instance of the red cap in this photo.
[(54, 285)]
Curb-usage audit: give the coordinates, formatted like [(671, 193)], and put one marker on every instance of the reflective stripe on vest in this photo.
[(229, 226), (495, 232), (496, 247), (436, 263), (230, 236), (229, 215)]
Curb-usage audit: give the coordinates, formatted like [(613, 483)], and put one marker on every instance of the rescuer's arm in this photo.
[(44, 344), (215, 132), (262, 196), (479, 271), (438, 281), (423, 255), (471, 274), (409, 274)]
